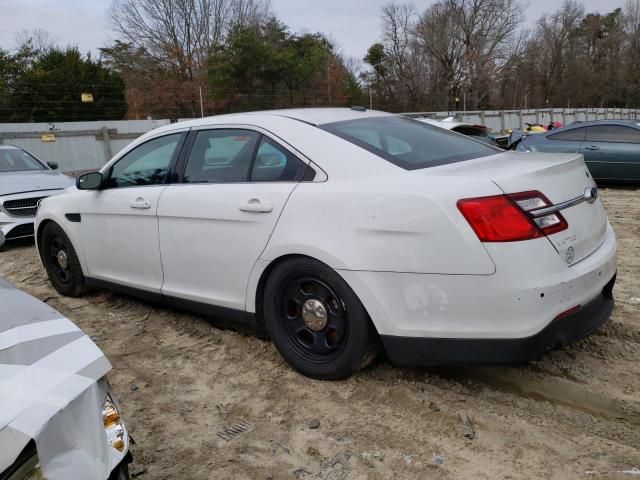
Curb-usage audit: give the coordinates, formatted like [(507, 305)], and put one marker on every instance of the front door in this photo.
[(119, 221), (216, 223)]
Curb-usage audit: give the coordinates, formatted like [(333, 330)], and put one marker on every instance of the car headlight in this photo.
[(114, 426)]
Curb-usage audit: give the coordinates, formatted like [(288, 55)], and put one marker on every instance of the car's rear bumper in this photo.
[(474, 351), (520, 300)]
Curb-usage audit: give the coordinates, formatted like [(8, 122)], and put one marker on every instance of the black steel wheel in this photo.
[(316, 321), (61, 262)]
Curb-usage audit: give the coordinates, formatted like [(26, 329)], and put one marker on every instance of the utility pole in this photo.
[(329, 81), (201, 109), (370, 98)]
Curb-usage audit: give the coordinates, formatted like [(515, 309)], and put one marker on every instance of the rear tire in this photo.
[(316, 321), (61, 262)]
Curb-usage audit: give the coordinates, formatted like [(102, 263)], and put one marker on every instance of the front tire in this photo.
[(61, 262), (316, 321)]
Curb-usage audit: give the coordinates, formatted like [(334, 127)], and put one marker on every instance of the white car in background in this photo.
[(24, 180), (336, 231), (477, 132), (58, 420)]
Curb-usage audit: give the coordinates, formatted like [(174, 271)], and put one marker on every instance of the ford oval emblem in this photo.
[(591, 194), (570, 255)]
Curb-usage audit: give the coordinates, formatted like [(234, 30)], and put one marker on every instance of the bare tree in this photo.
[(182, 33), (440, 35), (488, 28), (39, 39), (402, 50), (468, 42), (552, 33)]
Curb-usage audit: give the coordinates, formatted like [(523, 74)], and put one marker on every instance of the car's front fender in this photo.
[(64, 210)]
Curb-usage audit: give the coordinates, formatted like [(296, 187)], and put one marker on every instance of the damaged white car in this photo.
[(58, 419)]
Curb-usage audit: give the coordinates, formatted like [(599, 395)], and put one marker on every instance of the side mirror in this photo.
[(89, 181), (53, 165)]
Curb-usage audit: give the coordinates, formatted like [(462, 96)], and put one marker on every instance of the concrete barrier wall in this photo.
[(76, 145), (502, 120)]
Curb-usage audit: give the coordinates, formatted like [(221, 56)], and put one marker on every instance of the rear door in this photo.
[(216, 222), (612, 152)]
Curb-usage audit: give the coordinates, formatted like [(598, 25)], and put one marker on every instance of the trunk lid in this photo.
[(560, 177)]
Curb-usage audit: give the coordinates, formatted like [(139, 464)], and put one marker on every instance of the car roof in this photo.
[(9, 147), (612, 121), (322, 116), (312, 116)]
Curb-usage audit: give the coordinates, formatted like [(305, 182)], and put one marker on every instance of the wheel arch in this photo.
[(39, 231), (262, 281), (69, 229)]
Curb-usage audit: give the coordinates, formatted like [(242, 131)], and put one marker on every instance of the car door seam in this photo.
[(266, 244), (164, 189)]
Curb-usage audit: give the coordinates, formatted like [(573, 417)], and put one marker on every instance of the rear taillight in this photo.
[(510, 218), (532, 202)]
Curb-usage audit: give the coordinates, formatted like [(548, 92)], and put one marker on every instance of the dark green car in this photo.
[(611, 148)]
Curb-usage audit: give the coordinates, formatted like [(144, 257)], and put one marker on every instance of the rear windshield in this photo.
[(14, 160), (409, 144)]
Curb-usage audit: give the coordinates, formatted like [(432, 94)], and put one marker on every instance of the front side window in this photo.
[(613, 133), (146, 164), (275, 164), (574, 135), (221, 156), (15, 160), (409, 144)]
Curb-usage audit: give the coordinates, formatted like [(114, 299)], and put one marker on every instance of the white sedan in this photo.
[(337, 232)]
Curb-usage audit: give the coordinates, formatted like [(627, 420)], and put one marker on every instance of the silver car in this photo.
[(24, 180), (58, 419)]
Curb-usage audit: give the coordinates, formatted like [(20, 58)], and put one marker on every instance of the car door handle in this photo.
[(256, 206), (592, 147), (140, 204)]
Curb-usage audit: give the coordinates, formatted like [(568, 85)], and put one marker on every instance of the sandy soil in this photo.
[(181, 381)]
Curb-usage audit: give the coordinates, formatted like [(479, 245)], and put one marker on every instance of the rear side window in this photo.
[(407, 143), (574, 135), (221, 156), (275, 164), (613, 133)]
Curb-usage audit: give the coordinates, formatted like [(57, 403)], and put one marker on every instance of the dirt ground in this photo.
[(181, 381)]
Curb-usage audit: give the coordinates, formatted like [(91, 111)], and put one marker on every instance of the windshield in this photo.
[(15, 160), (407, 143)]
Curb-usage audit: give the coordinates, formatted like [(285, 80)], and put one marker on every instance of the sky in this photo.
[(353, 24)]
